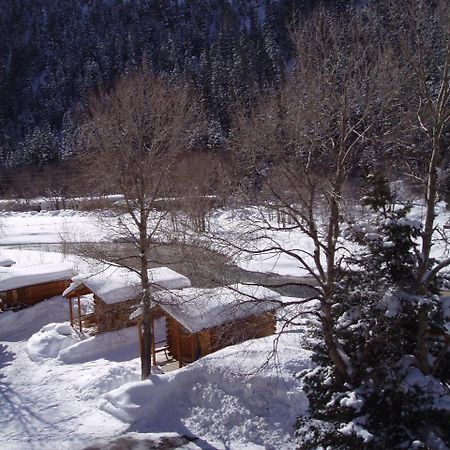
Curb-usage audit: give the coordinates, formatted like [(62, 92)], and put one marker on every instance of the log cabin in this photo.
[(25, 286), (105, 300), (202, 321)]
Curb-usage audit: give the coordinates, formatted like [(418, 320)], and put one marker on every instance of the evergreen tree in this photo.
[(390, 402)]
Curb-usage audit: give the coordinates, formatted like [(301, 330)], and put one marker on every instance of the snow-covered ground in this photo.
[(61, 391), (53, 227), (45, 403), (49, 227), (58, 390), (229, 398), (236, 227)]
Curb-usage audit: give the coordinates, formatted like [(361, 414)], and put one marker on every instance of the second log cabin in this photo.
[(202, 321), (104, 301)]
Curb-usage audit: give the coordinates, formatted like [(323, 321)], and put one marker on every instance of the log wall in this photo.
[(187, 347), (30, 295), (111, 317)]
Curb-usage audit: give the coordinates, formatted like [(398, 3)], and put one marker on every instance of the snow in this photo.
[(16, 277), (391, 302), (56, 393), (357, 429), (5, 261), (197, 309), (19, 228), (117, 284), (223, 398), (352, 400), (435, 390), (445, 301), (29, 257), (248, 228), (118, 345), (50, 340), (47, 405), (62, 390), (48, 227), (20, 325)]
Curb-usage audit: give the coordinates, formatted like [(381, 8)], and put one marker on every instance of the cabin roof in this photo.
[(17, 277), (199, 309), (118, 284), (5, 261)]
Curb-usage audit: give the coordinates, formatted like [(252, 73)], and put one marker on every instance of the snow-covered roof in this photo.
[(118, 284), (5, 261), (16, 277), (198, 309)]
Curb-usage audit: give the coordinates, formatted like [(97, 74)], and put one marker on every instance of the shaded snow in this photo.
[(5, 261), (120, 345), (50, 340), (20, 325), (46, 405)]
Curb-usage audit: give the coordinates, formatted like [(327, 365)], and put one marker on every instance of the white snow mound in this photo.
[(16, 277), (20, 325), (50, 340), (226, 397)]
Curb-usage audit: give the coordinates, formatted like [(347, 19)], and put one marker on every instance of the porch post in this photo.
[(153, 342), (180, 364), (140, 337), (79, 314), (71, 311)]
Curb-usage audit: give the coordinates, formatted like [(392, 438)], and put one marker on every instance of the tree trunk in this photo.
[(328, 326), (340, 366), (427, 243), (146, 356)]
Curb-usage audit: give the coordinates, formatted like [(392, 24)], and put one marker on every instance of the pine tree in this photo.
[(389, 403)]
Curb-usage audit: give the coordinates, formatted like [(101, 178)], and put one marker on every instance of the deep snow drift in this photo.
[(229, 397), (63, 390), (20, 325)]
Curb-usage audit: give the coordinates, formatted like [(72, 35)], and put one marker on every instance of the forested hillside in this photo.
[(53, 53)]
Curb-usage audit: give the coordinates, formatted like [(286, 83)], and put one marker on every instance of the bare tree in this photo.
[(203, 182), (134, 139), (425, 80), (299, 146)]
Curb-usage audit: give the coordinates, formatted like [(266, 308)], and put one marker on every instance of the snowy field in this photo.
[(49, 227), (61, 391), (53, 227)]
